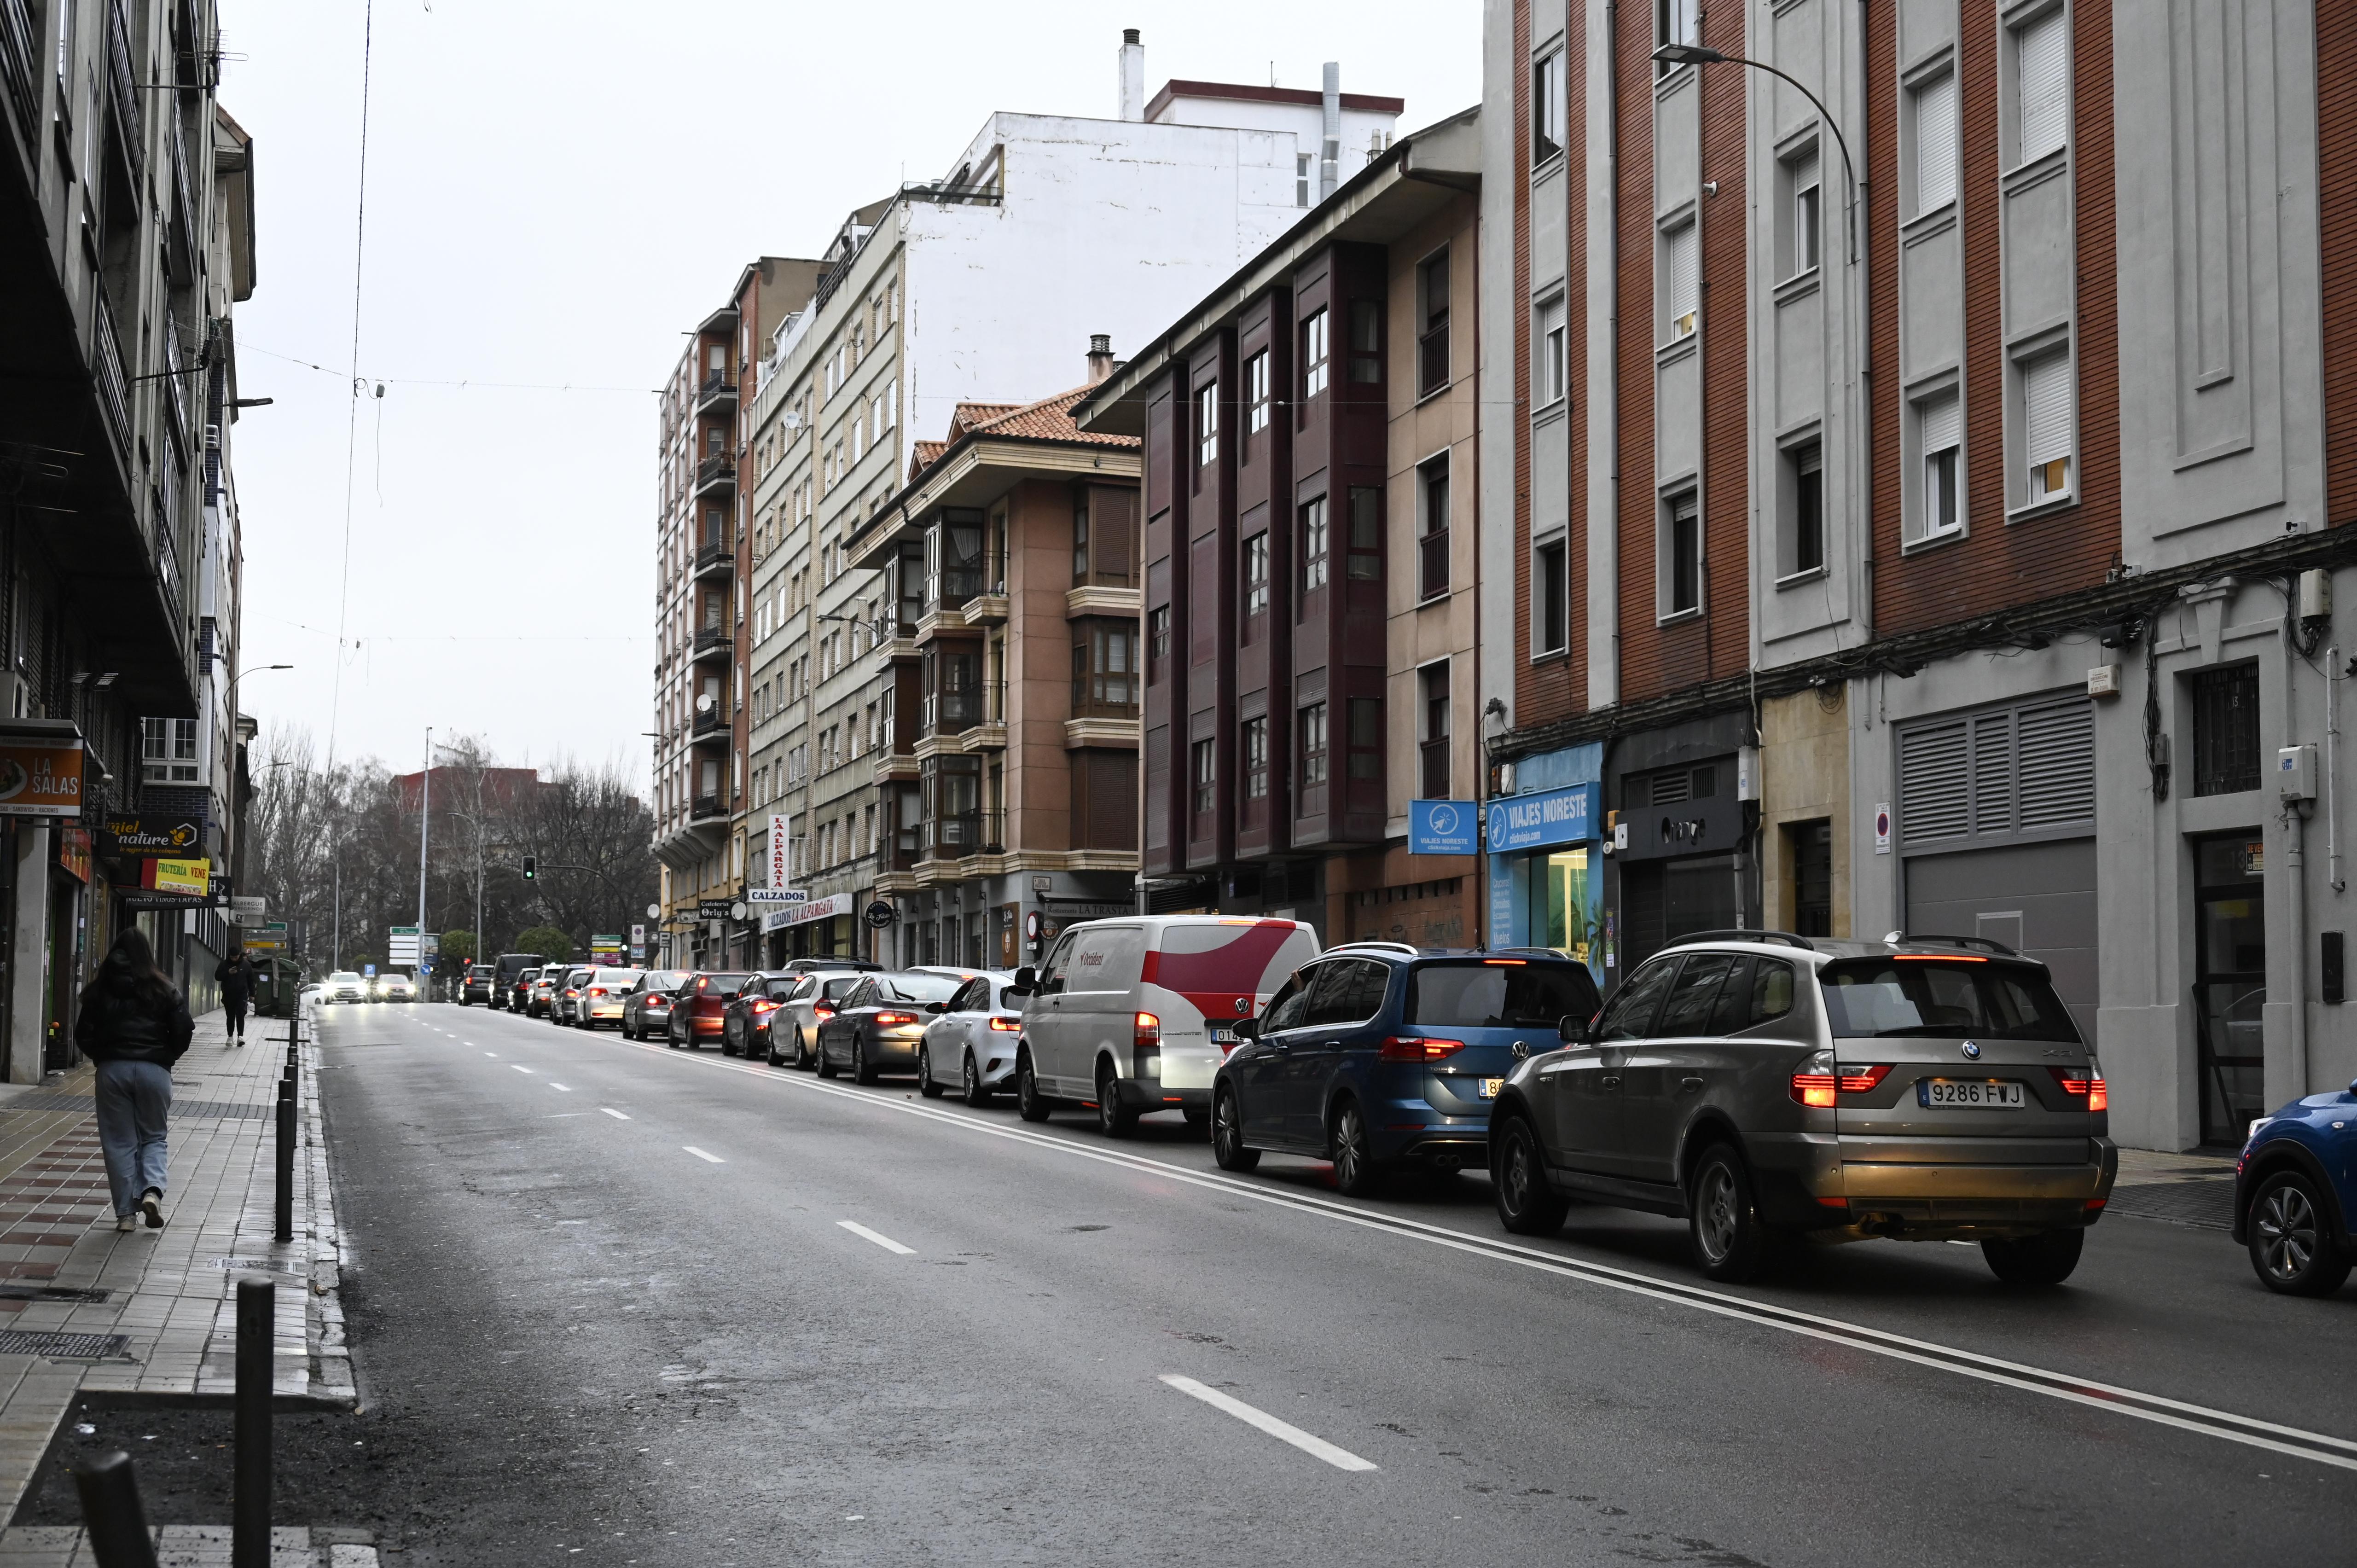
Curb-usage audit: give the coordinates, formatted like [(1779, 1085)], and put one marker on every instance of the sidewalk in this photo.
[(84, 1308)]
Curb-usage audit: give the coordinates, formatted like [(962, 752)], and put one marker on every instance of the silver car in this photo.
[(1760, 1086), (810, 1003), (970, 1044)]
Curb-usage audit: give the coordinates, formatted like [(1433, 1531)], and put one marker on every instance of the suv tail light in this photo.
[(894, 1020), (1814, 1089), (1416, 1048), (2078, 1081), (1860, 1081), (1819, 1083), (1146, 1046)]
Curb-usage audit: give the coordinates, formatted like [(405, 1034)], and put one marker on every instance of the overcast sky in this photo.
[(555, 192)]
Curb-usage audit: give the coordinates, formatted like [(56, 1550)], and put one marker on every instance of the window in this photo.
[(1313, 545), (167, 752), (1803, 505), (1366, 342), (1313, 354), (1681, 554), (1080, 535), (1207, 424), (1551, 598), (1801, 249), (1366, 561), (1105, 668), (1157, 638), (1432, 325), (1313, 746), (1432, 537), (1432, 772), (1256, 393), (1255, 745), (2041, 61), (2225, 729), (1302, 164), (1681, 281), (1205, 776), (1939, 423), (2046, 424), (1548, 382), (1935, 142), (1676, 22), (1256, 573), (1366, 737), (1546, 108)]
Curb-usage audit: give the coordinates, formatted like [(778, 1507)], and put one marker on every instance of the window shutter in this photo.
[(1942, 423), (2043, 57), (1933, 783), (1992, 774), (2046, 407), (1936, 144), (1683, 279), (2057, 764)]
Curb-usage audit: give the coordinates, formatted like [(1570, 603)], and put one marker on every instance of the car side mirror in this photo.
[(1573, 1030), (1027, 980), (1247, 1029), (937, 1006)]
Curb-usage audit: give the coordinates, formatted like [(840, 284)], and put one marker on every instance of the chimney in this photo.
[(1101, 361), (1132, 76), (1330, 158)]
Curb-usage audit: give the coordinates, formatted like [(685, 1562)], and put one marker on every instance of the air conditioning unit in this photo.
[(212, 437)]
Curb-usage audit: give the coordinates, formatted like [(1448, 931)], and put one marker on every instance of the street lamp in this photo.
[(1699, 55)]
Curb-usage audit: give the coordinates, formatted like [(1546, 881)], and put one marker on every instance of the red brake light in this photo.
[(1416, 1048), (824, 1010), (889, 1020), (597, 990), (1006, 1025), (1938, 958), (1855, 1081), (1814, 1089), (1148, 1030), (763, 1005), (2079, 1081), (1513, 960)]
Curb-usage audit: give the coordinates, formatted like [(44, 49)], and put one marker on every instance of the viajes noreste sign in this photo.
[(1552, 816)]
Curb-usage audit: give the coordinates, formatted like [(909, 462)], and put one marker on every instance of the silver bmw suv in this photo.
[(1763, 1086)]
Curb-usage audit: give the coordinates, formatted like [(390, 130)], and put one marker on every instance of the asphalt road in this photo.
[(638, 1305)]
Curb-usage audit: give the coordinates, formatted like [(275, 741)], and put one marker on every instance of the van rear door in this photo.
[(1201, 977)]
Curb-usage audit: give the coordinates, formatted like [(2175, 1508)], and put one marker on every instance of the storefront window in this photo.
[(1567, 913)]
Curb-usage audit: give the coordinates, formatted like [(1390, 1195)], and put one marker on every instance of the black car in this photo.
[(745, 1023), (480, 985), (506, 968)]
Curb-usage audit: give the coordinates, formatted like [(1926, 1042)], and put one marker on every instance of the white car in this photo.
[(344, 985), (970, 1044), (1134, 1016)]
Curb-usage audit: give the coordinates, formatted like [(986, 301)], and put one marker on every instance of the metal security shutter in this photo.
[(1684, 277), (2001, 775), (2044, 58), (1935, 142), (2038, 898), (1944, 423), (2046, 407)]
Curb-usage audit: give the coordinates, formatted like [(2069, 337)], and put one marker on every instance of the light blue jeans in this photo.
[(133, 1099)]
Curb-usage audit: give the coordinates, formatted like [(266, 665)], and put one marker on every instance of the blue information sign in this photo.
[(1443, 827), (1552, 816)]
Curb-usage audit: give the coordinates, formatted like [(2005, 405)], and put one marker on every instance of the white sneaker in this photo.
[(127, 1222), (152, 1206)]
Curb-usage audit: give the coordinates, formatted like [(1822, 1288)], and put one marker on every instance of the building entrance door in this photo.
[(2230, 985)]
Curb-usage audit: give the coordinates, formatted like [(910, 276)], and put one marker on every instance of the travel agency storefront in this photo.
[(1546, 857)]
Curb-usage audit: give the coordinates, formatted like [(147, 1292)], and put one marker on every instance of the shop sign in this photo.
[(777, 896), (1443, 827), (1691, 827), (73, 853), (170, 838), (809, 909), (780, 843), (39, 778), (193, 877), (881, 914), (1087, 908), (1550, 817), (247, 912), (713, 908)]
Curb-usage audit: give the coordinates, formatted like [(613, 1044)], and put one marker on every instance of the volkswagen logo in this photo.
[(1521, 1049), (1972, 1050), (1244, 1005)]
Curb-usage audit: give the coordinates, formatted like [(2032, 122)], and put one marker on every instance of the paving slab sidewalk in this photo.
[(158, 1308)]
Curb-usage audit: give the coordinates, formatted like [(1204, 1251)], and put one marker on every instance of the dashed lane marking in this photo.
[(1283, 1431), (889, 1245), (700, 1155), (614, 1113), (554, 1084), (518, 1069)]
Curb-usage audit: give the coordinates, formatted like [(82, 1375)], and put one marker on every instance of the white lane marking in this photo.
[(889, 1245), (614, 1113), (1284, 1432), (520, 1068), (700, 1155), (2204, 1420), (554, 1084)]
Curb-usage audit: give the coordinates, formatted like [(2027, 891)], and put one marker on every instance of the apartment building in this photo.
[(704, 562), (1868, 576), (1311, 592), (131, 239), (934, 300)]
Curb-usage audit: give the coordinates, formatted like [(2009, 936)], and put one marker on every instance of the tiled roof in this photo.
[(968, 415), (923, 455), (1049, 419)]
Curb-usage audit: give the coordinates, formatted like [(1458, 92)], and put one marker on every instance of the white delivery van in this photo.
[(1133, 1016)]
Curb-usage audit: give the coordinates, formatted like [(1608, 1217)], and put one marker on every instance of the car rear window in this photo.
[(724, 984), (616, 977), (1872, 997), (1487, 995), (918, 987)]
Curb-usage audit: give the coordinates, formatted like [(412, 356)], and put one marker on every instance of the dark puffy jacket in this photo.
[(119, 1025), (237, 981)]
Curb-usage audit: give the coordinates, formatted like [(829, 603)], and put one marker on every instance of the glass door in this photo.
[(2230, 985)]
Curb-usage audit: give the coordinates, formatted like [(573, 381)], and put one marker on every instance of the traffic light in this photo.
[(531, 867)]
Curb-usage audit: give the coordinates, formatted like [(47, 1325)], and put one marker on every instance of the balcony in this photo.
[(716, 393), (175, 401), (716, 473), (711, 642), (709, 724), (122, 86), (184, 240), (113, 388), (708, 809), (1432, 360), (898, 642), (987, 606), (715, 561), (167, 546), (966, 833), (17, 49), (1105, 711), (1105, 593), (951, 712)]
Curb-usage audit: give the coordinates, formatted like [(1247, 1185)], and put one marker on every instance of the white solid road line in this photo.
[(614, 1113), (2207, 1421), (520, 1068), (889, 1245), (554, 1084), (1284, 1432), (700, 1155)]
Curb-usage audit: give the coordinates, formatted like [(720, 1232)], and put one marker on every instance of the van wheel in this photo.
[(1731, 1243), (1114, 1120), (1527, 1206), (1030, 1103), (1228, 1135), (2045, 1258), (975, 1094), (1356, 1174), (2291, 1245), (925, 1084)]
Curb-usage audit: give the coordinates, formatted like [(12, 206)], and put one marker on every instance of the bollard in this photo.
[(257, 1314), (112, 1514), (283, 1228)]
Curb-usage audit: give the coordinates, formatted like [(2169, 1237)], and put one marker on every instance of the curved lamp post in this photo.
[(1697, 54)]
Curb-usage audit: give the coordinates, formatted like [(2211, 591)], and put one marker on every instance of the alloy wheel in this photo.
[(1715, 1213), (2285, 1223), (1350, 1160)]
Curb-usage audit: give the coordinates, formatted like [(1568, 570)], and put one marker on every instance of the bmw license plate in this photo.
[(1993, 1094), (1490, 1087)]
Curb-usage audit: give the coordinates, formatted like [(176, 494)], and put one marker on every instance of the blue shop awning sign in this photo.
[(1550, 817), (1444, 827)]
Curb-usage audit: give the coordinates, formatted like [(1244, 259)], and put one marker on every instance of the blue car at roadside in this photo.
[(1378, 1055), (2295, 1188)]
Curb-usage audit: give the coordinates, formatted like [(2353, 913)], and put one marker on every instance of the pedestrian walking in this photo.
[(134, 1025), (238, 978)]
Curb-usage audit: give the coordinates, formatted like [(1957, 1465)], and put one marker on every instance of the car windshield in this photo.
[(343, 977), (1872, 997), (1498, 994), (918, 987)]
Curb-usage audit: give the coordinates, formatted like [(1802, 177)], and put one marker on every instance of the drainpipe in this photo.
[(2294, 821), (1330, 158)]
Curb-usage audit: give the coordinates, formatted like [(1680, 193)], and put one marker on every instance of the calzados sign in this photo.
[(40, 777)]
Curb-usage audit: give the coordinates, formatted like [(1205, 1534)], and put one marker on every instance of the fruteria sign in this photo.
[(176, 875), (169, 839), (39, 778)]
